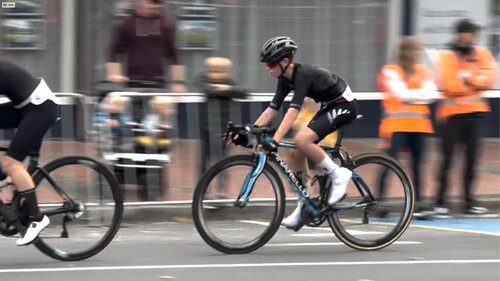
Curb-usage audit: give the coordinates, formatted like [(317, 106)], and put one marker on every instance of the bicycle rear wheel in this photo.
[(222, 221), (89, 228), (375, 224)]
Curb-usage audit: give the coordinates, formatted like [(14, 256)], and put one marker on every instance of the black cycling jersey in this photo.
[(16, 83), (308, 81)]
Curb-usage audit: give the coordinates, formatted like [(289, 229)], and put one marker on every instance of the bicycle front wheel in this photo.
[(226, 223), (82, 231), (372, 224)]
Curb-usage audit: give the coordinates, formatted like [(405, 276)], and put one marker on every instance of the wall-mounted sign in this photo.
[(23, 7), (25, 34), (197, 28)]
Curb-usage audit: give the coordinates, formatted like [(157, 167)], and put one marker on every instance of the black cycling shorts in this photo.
[(333, 116), (32, 123)]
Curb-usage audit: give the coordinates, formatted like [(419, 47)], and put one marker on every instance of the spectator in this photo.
[(464, 71), (219, 88), (156, 139), (145, 40), (407, 88), (115, 117), (158, 125)]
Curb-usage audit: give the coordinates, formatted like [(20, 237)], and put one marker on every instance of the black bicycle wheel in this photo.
[(222, 222), (377, 224), (77, 235)]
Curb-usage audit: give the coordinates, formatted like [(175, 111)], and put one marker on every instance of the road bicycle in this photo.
[(82, 199), (239, 203)]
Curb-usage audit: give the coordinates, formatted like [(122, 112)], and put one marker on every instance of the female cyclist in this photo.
[(338, 108), (32, 110)]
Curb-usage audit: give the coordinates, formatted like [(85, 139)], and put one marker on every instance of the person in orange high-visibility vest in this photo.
[(407, 88), (464, 71)]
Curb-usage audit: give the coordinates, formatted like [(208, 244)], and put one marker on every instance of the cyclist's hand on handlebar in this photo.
[(237, 135), (240, 138), (269, 144)]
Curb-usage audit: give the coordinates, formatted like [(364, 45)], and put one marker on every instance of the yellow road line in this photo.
[(455, 229)]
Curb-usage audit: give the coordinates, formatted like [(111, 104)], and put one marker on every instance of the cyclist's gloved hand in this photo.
[(241, 138), (269, 144)]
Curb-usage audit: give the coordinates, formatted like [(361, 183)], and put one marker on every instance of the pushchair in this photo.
[(137, 152)]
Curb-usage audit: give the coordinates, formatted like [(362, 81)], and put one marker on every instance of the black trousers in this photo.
[(416, 143), (463, 128)]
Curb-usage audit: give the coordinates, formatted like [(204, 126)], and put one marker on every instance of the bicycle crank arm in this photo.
[(335, 209), (66, 208)]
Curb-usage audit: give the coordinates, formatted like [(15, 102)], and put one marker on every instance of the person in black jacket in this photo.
[(220, 90)]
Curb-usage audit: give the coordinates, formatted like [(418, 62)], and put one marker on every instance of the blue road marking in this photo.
[(479, 225)]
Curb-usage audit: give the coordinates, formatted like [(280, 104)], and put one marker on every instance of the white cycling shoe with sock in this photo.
[(294, 218), (340, 180), (32, 231)]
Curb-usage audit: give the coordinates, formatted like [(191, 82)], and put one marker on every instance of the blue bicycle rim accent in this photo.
[(251, 177)]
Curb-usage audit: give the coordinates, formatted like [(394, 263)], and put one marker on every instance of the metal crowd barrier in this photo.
[(73, 134)]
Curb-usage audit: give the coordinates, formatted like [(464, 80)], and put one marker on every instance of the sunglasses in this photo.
[(272, 64)]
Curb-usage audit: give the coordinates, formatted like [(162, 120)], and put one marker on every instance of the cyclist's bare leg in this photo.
[(298, 164), (305, 139), (24, 184), (17, 173), (298, 161)]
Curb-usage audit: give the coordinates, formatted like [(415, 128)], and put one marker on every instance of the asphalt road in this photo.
[(453, 249)]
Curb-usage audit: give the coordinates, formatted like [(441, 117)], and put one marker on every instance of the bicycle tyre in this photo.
[(198, 206), (105, 178), (401, 225)]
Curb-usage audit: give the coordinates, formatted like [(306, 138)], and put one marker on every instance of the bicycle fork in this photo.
[(249, 182)]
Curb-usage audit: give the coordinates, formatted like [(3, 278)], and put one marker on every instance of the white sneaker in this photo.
[(340, 179), (441, 213), (294, 218), (32, 231)]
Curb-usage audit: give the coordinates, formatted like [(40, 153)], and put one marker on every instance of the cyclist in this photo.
[(338, 108), (32, 110)]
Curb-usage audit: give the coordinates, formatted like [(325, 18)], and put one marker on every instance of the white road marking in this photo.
[(329, 244), (352, 232), (227, 265), (255, 222)]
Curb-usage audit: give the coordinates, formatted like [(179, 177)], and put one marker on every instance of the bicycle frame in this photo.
[(33, 167), (262, 157)]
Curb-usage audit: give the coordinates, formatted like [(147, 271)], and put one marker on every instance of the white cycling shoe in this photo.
[(294, 219), (340, 180), (32, 231)]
